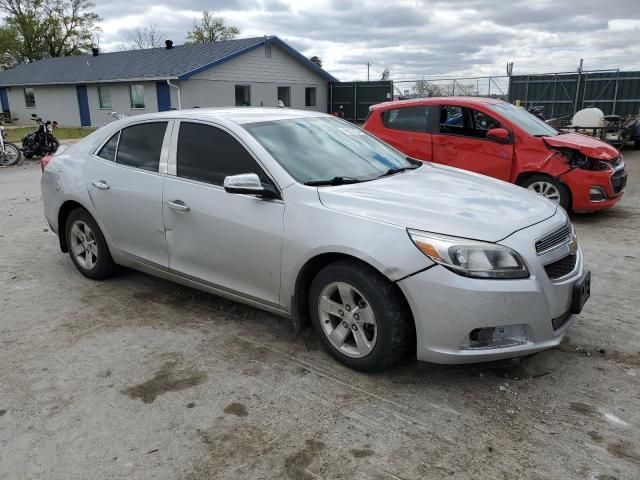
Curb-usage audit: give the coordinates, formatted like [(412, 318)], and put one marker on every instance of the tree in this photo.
[(144, 37), (8, 48), (316, 59), (49, 28), (210, 29), (424, 88)]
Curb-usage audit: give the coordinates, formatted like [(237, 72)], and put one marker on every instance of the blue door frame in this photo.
[(83, 105), (4, 100), (164, 96)]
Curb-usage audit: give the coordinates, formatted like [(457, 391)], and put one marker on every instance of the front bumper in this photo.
[(447, 307), (581, 181)]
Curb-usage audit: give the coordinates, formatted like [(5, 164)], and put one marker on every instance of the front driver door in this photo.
[(229, 241), (462, 143), (125, 186)]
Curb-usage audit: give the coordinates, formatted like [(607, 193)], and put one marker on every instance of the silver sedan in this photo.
[(306, 216)]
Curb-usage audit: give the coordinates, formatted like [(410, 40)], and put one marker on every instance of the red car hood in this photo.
[(586, 145)]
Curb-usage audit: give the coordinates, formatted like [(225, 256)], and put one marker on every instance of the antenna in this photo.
[(385, 75)]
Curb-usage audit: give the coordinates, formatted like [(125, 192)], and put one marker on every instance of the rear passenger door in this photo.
[(228, 241), (406, 129), (461, 141), (125, 186)]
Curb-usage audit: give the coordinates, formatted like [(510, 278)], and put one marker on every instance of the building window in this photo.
[(243, 96), (284, 96), (29, 98), (310, 97), (136, 94), (104, 97)]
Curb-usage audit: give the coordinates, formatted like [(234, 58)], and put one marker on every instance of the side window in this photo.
[(482, 123), (452, 120), (411, 119), (209, 154), (108, 150), (140, 145)]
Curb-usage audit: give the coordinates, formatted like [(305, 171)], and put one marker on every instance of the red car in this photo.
[(503, 141)]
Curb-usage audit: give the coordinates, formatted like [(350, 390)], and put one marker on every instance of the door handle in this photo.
[(101, 184), (177, 205)]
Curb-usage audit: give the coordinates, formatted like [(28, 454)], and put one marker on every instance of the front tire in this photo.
[(361, 317), (87, 246), (550, 188), (11, 155)]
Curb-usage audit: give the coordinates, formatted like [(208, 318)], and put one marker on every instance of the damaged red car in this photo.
[(497, 139)]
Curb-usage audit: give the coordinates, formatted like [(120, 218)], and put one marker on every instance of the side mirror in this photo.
[(499, 135), (248, 184)]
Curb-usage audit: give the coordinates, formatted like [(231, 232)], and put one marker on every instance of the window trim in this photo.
[(100, 107), (315, 96), (173, 156), (164, 151), (248, 86), (387, 112), (33, 91), (463, 107), (99, 149), (131, 97)]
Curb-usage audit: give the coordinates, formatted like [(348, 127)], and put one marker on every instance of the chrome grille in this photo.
[(553, 239)]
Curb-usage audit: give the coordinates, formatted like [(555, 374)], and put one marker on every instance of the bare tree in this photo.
[(211, 29), (425, 88), (144, 37)]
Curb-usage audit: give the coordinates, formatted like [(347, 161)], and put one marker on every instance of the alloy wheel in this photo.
[(347, 319), (547, 190), (83, 245)]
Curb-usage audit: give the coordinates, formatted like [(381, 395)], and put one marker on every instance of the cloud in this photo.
[(413, 38)]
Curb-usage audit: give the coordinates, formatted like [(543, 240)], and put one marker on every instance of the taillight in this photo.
[(44, 161)]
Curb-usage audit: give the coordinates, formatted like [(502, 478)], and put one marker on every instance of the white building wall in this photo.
[(120, 101), (59, 103), (263, 73)]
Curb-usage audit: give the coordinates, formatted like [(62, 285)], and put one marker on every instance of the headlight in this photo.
[(470, 258)]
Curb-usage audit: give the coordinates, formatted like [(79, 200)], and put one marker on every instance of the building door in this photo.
[(4, 100), (83, 105), (164, 96)]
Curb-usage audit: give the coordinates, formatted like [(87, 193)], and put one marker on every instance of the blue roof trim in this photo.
[(296, 54), (187, 75), (274, 40)]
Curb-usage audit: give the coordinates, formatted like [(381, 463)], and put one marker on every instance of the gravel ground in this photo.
[(139, 378)]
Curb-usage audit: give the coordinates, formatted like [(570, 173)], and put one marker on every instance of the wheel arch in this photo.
[(63, 214), (524, 176), (300, 298)]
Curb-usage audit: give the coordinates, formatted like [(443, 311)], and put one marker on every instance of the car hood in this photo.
[(588, 146), (443, 200)]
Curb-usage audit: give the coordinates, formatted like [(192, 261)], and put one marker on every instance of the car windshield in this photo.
[(523, 119), (327, 150)]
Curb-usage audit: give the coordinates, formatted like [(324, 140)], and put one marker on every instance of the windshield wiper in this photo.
[(394, 170), (333, 181)]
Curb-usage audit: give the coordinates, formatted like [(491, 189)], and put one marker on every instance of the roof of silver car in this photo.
[(239, 115)]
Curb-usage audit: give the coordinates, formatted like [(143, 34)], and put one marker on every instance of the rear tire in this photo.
[(361, 317), (87, 246), (550, 188)]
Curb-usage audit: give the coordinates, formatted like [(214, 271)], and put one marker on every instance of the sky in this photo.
[(413, 39)]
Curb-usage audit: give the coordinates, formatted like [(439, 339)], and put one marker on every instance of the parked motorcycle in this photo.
[(9, 153), (41, 142)]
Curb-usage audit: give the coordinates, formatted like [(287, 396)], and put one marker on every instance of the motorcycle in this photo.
[(41, 142), (9, 153)]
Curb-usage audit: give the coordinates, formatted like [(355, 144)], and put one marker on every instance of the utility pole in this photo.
[(368, 65)]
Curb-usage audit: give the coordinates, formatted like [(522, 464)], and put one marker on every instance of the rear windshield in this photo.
[(523, 119)]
